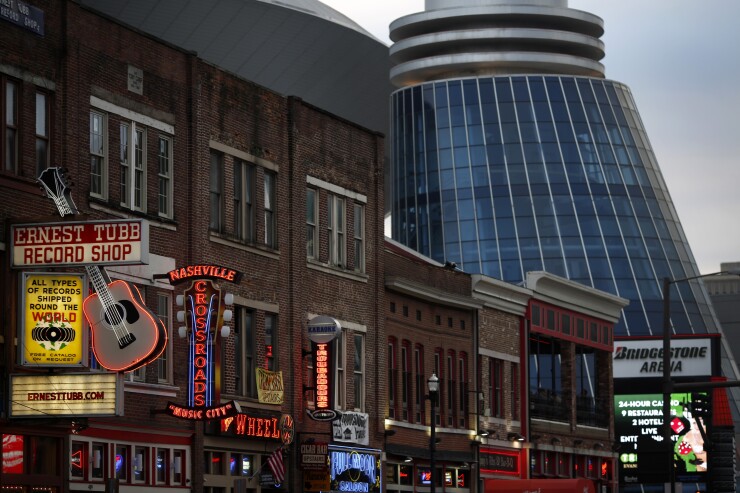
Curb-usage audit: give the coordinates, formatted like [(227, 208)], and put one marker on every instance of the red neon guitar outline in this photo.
[(138, 335)]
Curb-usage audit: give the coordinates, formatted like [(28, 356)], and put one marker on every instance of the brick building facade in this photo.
[(222, 172)]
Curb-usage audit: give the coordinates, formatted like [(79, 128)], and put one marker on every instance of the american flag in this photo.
[(275, 462)]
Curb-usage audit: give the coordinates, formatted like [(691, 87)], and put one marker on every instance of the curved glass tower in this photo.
[(512, 153)]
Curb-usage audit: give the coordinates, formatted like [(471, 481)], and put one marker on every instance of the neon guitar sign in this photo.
[(125, 333)]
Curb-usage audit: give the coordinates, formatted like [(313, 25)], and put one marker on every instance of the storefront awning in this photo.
[(539, 486)]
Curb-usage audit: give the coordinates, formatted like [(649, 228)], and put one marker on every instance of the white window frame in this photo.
[(312, 223), (133, 166), (132, 119), (9, 123), (99, 151), (216, 191), (270, 208), (336, 219), (244, 195), (43, 130), (340, 375), (165, 178), (138, 169), (359, 240), (124, 155), (359, 371)]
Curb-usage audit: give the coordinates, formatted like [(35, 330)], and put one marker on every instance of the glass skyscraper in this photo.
[(512, 153)]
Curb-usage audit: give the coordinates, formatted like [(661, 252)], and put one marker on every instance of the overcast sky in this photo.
[(681, 59)]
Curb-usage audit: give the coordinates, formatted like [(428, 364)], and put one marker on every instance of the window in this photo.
[(359, 371), (244, 224), (451, 408), (78, 466), (139, 170), (141, 459), (496, 373), (244, 353), (514, 391), (271, 332), (9, 122), (98, 166), (164, 161), (359, 238), (462, 378), (335, 230), (133, 167), (405, 381), (99, 460), (392, 371), (138, 375), (121, 465), (438, 371), (164, 370), (546, 379), (163, 466), (311, 223), (125, 159), (420, 384), (340, 342), (270, 232), (42, 132), (178, 467), (216, 192)]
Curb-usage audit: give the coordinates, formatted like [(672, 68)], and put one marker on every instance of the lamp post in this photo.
[(667, 381), (433, 384)]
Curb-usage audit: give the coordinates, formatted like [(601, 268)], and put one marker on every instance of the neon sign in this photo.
[(253, 426), (205, 271), (323, 376), (203, 315), (354, 470)]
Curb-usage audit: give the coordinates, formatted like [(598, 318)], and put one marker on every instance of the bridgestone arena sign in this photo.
[(690, 357)]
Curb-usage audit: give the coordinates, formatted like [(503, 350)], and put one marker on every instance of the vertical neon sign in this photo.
[(321, 356), (203, 301), (322, 376)]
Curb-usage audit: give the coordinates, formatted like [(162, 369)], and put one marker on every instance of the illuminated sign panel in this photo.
[(203, 300), (52, 327), (203, 271), (267, 427), (68, 394), (79, 243), (353, 469), (499, 462), (203, 413), (323, 376), (642, 456), (690, 357)]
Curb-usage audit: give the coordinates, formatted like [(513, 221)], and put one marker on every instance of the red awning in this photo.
[(539, 486)]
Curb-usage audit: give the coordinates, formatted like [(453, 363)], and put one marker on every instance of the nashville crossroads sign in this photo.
[(109, 242)]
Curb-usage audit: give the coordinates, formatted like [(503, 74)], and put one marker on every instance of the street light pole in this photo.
[(667, 380), (433, 384)]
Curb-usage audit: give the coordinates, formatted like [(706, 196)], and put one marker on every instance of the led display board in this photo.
[(643, 456)]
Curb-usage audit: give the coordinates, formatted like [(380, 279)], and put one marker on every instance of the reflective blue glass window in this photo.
[(554, 91), (503, 90)]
